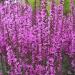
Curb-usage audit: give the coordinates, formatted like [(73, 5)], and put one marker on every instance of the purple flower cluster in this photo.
[(32, 42)]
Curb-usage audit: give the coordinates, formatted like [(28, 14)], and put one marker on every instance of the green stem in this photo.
[(2, 65)]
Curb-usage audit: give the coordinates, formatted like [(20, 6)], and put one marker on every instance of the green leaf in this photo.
[(66, 6)]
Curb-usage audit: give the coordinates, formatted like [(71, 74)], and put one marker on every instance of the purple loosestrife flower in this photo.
[(67, 33), (40, 69), (38, 17), (35, 47), (8, 24), (26, 36), (58, 38), (73, 33), (73, 30), (52, 31), (2, 37), (10, 55), (44, 31), (44, 16), (12, 61), (27, 11)]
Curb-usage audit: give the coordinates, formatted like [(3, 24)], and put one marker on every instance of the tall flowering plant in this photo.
[(33, 41)]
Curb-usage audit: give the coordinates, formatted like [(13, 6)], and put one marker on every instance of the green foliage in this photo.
[(66, 63), (3, 66), (74, 1), (31, 2), (66, 6)]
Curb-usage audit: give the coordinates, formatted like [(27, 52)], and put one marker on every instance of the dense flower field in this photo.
[(37, 41)]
